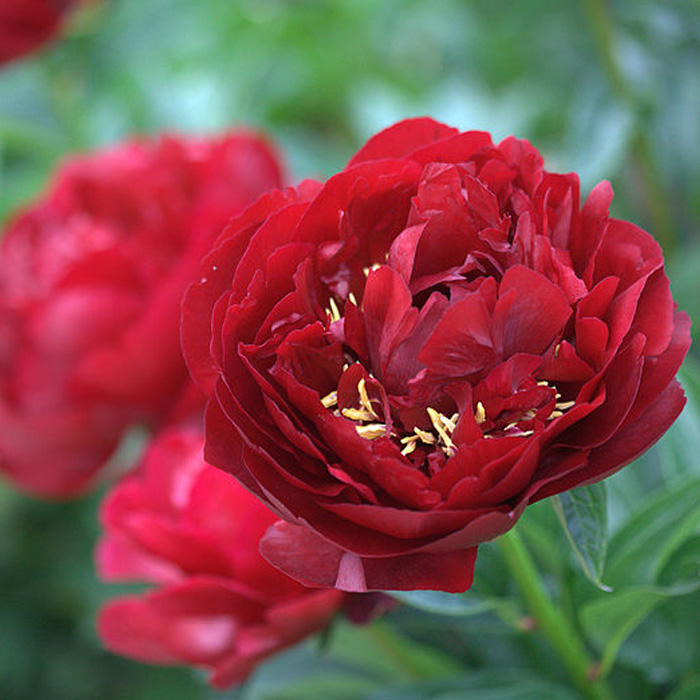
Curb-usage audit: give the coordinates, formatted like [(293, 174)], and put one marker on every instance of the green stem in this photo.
[(656, 199), (551, 621)]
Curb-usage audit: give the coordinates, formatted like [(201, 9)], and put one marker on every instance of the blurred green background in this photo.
[(610, 89)]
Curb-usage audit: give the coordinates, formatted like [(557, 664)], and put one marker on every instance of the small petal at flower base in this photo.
[(401, 359)]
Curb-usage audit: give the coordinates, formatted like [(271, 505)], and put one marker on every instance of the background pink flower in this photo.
[(193, 531), (91, 278)]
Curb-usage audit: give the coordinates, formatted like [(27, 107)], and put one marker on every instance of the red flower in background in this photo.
[(401, 359), (91, 280), (193, 531), (25, 25)]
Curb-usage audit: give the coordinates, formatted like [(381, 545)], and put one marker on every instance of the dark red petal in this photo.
[(313, 561), (626, 252), (627, 445), (458, 148), (654, 314), (461, 344), (499, 478), (659, 371), (364, 208), (621, 382), (519, 324), (217, 269), (521, 155), (401, 139), (388, 314), (588, 235)]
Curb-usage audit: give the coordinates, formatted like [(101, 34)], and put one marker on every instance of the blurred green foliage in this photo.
[(610, 89)]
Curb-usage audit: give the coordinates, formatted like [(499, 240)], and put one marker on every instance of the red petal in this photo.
[(401, 139), (519, 324), (313, 561)]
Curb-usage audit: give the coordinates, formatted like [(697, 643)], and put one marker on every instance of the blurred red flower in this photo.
[(401, 359), (193, 531), (91, 280), (25, 25)]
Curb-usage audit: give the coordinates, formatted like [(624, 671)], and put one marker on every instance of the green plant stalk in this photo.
[(656, 198), (550, 620)]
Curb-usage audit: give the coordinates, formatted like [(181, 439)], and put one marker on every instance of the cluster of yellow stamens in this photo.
[(369, 424), (369, 427), (442, 437)]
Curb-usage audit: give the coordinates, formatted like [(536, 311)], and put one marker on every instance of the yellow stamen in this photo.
[(351, 297), (364, 398), (330, 399), (357, 414), (426, 437), (411, 445), (480, 414), (438, 421), (563, 405), (372, 431), (334, 311), (555, 414), (367, 270)]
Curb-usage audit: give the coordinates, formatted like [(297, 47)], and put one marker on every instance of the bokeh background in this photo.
[(607, 88)]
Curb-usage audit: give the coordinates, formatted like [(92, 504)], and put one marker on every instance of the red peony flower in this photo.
[(401, 359), (91, 280), (25, 25), (194, 532)]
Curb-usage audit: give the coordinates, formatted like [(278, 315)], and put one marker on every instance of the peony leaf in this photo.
[(584, 517), (641, 549), (609, 621), (484, 684), (440, 603), (688, 691), (684, 565)]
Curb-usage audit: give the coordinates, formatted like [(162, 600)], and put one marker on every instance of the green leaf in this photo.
[(684, 566), (440, 603), (583, 515), (336, 686), (487, 684), (609, 621), (639, 551), (689, 691)]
